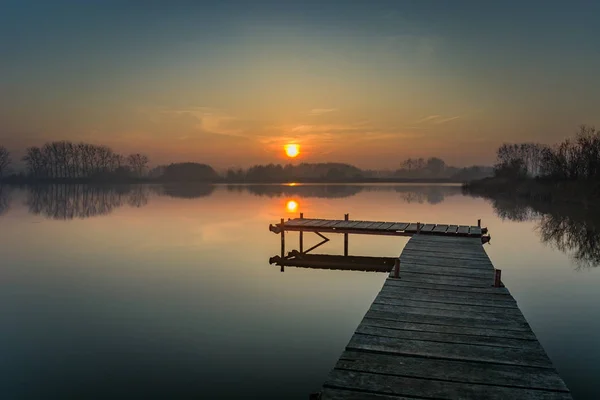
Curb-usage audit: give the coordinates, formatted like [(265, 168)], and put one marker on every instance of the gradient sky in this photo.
[(230, 82)]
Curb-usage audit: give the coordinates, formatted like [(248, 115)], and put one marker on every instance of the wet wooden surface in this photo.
[(443, 331)]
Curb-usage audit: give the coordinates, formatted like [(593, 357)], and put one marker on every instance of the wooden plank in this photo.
[(448, 239), (447, 296), (386, 225), (432, 389), (417, 325), (398, 226), (446, 256), (427, 227), (446, 262), (473, 340), (375, 225), (299, 221), (440, 228), (448, 271), (318, 223), (403, 302), (411, 228), (452, 229), (461, 281), (450, 321), (452, 351), (463, 230), (516, 321), (474, 231), (331, 223), (362, 225), (390, 282), (443, 250), (450, 370)]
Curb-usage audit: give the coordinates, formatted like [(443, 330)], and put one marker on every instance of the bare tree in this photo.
[(4, 160), (138, 163)]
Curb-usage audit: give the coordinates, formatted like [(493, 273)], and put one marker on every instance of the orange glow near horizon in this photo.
[(292, 150), (291, 206)]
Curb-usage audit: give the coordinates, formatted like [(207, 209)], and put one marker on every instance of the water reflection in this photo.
[(65, 202), (572, 230), (4, 199), (291, 206)]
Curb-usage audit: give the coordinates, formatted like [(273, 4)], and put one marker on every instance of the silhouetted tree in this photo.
[(4, 160), (138, 163), (189, 172)]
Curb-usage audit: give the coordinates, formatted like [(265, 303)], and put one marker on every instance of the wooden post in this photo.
[(397, 268), (282, 239), (479, 223), (346, 216), (497, 278), (418, 227), (301, 236)]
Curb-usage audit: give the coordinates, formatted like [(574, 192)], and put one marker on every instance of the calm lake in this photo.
[(167, 292)]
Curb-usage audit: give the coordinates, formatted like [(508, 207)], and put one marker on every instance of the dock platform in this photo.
[(442, 327)]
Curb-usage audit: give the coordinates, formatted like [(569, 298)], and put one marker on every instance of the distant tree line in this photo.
[(576, 158), (68, 161)]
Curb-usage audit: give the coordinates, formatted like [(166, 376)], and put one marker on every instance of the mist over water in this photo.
[(166, 291)]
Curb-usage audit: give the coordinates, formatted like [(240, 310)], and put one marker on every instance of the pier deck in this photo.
[(376, 227), (442, 330)]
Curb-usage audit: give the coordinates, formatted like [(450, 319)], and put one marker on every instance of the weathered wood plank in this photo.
[(403, 302), (452, 229), (453, 351), (452, 321), (299, 221), (331, 223), (411, 228), (419, 325), (458, 240), (450, 370), (386, 225), (432, 389), (462, 281), (390, 282), (427, 227), (463, 230), (475, 300), (399, 226), (473, 256), (475, 231), (447, 338), (446, 262), (447, 271), (513, 321), (440, 228)]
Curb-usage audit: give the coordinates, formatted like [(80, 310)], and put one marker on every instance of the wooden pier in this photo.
[(442, 327)]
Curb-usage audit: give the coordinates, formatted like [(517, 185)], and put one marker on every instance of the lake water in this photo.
[(152, 292)]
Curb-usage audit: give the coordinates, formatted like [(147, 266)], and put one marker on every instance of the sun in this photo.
[(291, 150), (291, 205)]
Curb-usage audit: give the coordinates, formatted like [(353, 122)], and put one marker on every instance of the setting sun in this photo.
[(291, 206), (292, 150)]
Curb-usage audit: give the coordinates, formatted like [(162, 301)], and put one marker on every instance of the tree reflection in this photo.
[(572, 230), (4, 199), (65, 202)]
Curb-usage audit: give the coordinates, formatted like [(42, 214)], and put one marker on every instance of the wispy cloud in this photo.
[(437, 119), (321, 111)]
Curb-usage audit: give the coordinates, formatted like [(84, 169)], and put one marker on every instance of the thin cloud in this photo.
[(321, 111), (437, 119)]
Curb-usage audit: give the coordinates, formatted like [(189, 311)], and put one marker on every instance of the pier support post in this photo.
[(301, 236), (479, 223), (346, 217), (497, 278), (282, 239), (397, 268)]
